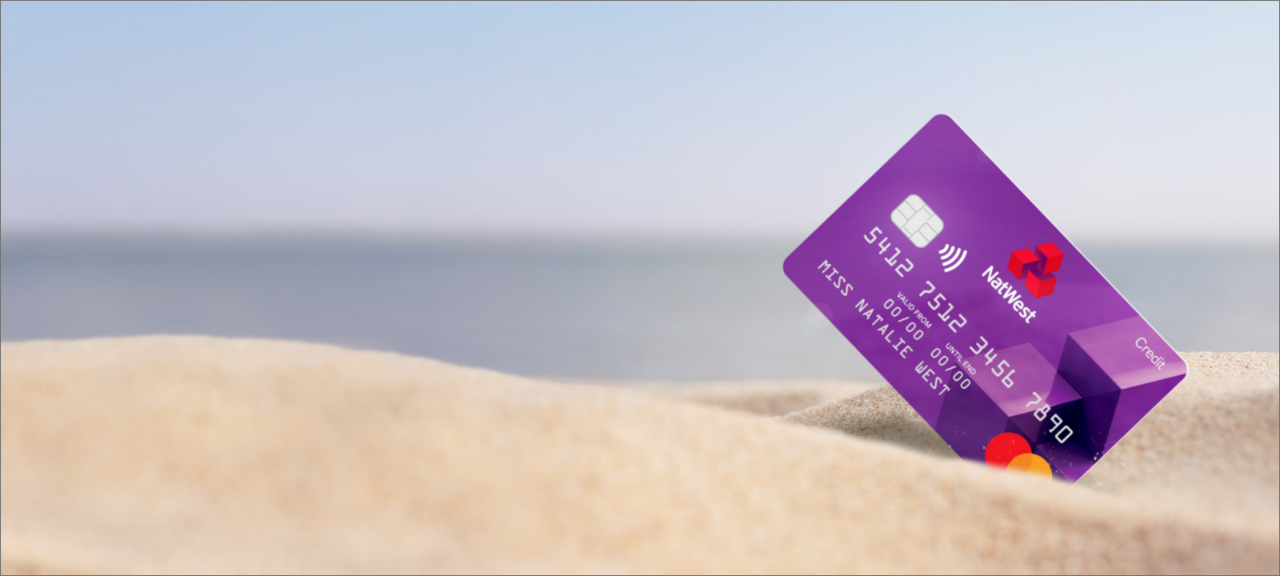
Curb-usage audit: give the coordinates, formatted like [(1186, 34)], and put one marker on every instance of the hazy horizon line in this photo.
[(363, 235)]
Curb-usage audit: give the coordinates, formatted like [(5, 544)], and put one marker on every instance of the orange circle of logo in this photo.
[(1031, 463)]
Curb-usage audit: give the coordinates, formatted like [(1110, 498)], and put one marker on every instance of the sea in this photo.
[(580, 310)]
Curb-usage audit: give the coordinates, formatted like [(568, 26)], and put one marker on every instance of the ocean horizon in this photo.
[(675, 311)]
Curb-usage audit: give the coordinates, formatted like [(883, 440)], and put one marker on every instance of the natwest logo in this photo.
[(1037, 267)]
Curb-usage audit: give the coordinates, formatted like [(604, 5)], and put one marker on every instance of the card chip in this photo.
[(915, 219)]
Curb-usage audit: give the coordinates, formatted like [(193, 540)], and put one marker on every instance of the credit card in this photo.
[(981, 313)]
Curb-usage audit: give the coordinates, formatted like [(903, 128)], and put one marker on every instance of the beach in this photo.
[(198, 454)]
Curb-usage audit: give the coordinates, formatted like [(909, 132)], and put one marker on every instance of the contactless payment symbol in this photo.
[(1005, 375), (952, 257)]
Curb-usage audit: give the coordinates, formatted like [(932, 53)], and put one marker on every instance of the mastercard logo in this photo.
[(1009, 451)]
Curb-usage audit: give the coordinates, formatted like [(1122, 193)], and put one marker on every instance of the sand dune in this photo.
[(764, 397), (199, 455)]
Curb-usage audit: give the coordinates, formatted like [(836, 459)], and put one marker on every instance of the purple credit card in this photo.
[(981, 313)]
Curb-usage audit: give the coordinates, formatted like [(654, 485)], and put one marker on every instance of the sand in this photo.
[(764, 397), (190, 454)]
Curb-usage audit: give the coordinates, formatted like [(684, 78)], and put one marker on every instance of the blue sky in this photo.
[(1131, 122)]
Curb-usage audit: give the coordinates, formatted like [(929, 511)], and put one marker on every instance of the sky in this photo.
[(1137, 122)]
